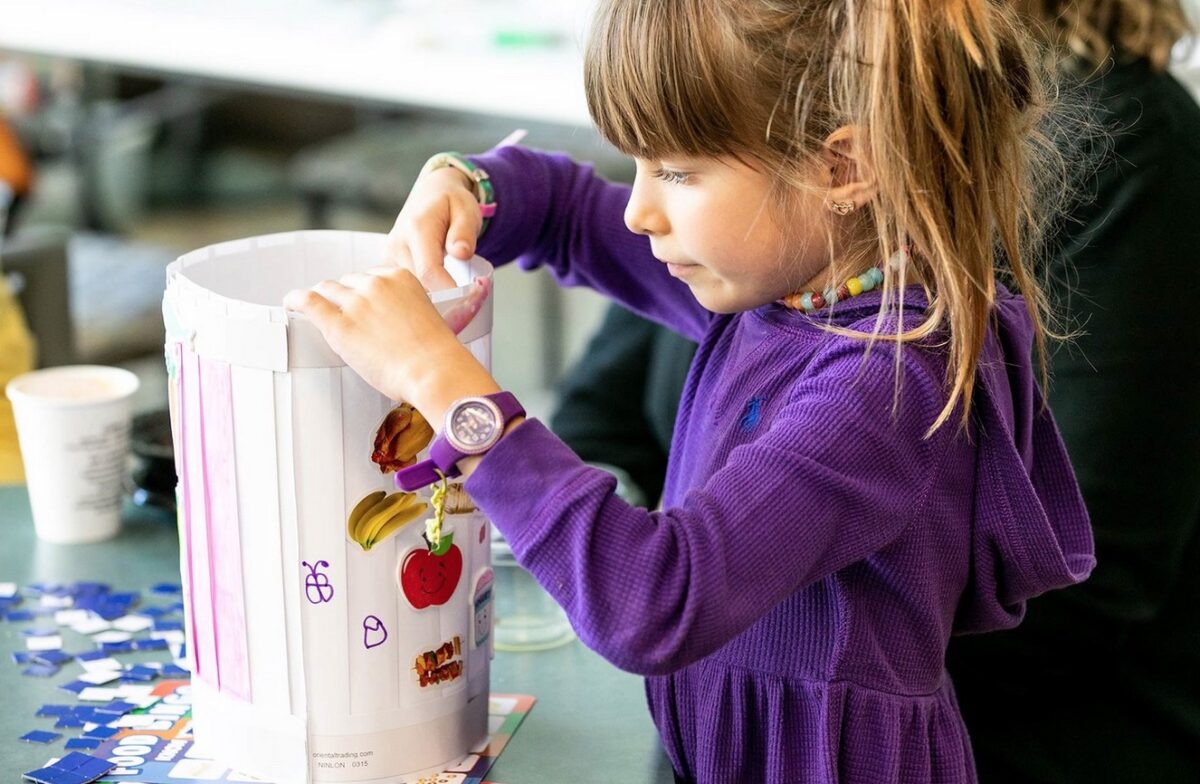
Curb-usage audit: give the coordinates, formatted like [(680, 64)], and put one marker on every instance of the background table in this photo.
[(590, 723), (385, 51)]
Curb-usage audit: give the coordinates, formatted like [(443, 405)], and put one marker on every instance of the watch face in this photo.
[(474, 425)]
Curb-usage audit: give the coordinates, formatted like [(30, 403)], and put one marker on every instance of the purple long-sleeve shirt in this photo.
[(792, 602)]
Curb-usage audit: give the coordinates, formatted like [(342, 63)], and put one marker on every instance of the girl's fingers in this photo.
[(319, 310), (363, 281), (465, 222), (428, 252), (337, 293)]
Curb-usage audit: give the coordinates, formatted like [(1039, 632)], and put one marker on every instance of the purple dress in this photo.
[(792, 602)]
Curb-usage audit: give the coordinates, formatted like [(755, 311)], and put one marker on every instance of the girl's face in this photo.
[(714, 222)]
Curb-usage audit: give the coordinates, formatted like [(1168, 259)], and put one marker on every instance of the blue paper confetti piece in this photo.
[(174, 671), (53, 710), (154, 612), (39, 632), (74, 768), (116, 647), (19, 616), (40, 736), (101, 733), (177, 607), (91, 655), (69, 722), (41, 670), (116, 708), (88, 713), (83, 743), (110, 612), (75, 686), (90, 588), (55, 658), (167, 588), (126, 599), (168, 626), (140, 673), (22, 657), (150, 645)]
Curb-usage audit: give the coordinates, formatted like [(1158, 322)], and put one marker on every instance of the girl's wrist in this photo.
[(435, 389)]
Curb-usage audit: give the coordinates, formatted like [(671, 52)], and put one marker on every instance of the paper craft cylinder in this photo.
[(311, 661)]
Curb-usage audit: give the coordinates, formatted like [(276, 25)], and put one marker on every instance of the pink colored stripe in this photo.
[(185, 513), (224, 533), (202, 608)]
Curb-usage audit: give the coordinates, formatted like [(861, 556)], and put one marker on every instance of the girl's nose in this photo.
[(642, 216)]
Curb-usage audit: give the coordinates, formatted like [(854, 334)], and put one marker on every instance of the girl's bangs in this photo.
[(654, 85)]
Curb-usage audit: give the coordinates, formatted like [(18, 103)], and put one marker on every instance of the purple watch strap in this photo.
[(509, 405), (444, 457), (417, 476)]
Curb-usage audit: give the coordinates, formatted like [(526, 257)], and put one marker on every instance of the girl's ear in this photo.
[(846, 170)]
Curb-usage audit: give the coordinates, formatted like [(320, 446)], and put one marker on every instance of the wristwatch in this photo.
[(473, 426)]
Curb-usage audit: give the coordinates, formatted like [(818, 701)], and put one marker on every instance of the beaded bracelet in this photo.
[(484, 192)]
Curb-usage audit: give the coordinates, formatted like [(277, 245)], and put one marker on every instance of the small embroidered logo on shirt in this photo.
[(753, 413)]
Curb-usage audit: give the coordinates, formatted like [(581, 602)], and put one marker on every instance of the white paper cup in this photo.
[(73, 424)]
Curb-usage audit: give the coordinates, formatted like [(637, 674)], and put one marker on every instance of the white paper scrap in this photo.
[(90, 626), (99, 677), (133, 623), (143, 702), (131, 691), (172, 636), (8, 590), (135, 721), (102, 665), (51, 642), (98, 694), (112, 636), (70, 617)]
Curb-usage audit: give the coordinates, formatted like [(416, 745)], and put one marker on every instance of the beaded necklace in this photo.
[(812, 301)]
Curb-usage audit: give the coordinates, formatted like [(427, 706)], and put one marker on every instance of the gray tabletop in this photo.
[(590, 722)]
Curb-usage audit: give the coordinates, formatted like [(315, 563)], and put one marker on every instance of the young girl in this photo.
[(862, 464)]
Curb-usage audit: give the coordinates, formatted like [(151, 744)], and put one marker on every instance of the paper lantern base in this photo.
[(277, 747)]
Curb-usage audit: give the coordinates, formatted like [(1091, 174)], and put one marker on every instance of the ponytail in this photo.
[(952, 98)]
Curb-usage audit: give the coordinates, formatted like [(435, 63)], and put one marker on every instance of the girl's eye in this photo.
[(671, 176)]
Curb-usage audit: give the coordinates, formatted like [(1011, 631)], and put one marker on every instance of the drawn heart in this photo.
[(374, 633)]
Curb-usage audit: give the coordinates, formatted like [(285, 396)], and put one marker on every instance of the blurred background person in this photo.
[(1099, 684), (16, 344)]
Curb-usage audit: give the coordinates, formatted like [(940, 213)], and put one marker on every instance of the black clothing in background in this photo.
[(1101, 683), (618, 404)]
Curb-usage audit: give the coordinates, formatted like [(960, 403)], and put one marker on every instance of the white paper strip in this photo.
[(258, 504), (317, 456)]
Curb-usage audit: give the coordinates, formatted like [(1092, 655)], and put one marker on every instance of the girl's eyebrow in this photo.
[(683, 162)]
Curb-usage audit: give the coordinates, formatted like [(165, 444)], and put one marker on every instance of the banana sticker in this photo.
[(379, 515)]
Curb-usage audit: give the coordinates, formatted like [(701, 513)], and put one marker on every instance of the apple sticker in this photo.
[(429, 576)]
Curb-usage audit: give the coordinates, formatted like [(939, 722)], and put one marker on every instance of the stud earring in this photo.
[(842, 207)]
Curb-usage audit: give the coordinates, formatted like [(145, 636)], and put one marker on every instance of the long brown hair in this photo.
[(949, 98), (1094, 30)]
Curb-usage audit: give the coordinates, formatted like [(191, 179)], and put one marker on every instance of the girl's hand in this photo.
[(383, 325), (441, 216)]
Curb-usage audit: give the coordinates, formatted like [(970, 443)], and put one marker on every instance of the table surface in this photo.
[(389, 51), (590, 723)]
